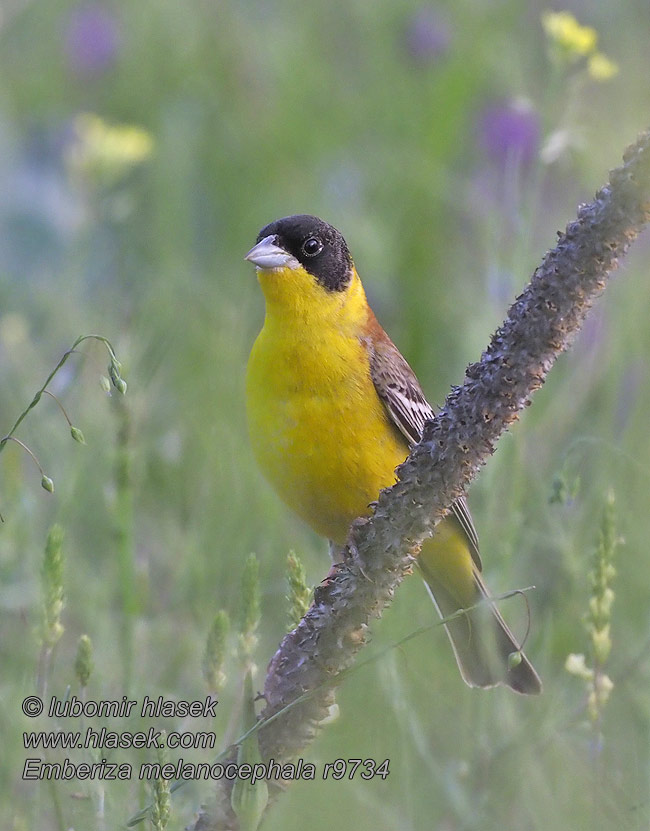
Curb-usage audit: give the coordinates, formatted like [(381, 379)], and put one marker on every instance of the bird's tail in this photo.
[(481, 639)]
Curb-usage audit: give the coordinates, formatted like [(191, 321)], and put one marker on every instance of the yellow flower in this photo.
[(107, 152), (601, 68), (562, 28)]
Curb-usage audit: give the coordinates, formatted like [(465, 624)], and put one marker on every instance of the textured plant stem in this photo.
[(540, 325)]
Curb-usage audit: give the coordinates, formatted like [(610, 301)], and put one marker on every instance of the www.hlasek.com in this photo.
[(112, 740)]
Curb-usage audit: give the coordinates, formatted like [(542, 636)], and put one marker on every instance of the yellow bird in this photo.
[(333, 408)]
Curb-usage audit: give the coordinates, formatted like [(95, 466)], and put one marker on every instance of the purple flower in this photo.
[(92, 39), (428, 35), (509, 131)]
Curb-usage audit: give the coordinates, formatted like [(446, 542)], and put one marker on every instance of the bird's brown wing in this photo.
[(401, 393)]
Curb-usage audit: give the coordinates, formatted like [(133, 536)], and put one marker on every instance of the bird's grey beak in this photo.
[(268, 254)]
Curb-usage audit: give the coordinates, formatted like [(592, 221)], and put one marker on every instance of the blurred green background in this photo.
[(448, 141)]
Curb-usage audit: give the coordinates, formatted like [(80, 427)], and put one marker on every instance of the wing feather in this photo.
[(401, 393)]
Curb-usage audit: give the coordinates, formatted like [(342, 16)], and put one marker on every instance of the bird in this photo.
[(333, 408)]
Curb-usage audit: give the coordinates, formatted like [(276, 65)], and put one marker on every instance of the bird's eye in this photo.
[(312, 246)]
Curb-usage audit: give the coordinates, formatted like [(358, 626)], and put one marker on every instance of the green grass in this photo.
[(258, 110)]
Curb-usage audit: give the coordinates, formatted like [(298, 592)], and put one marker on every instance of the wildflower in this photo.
[(428, 35), (92, 39), (510, 131), (571, 42), (601, 68), (104, 152), (571, 37)]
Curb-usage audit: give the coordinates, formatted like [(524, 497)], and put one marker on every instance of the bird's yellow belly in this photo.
[(319, 431)]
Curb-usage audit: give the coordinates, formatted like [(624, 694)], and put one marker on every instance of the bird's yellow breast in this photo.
[(318, 428)]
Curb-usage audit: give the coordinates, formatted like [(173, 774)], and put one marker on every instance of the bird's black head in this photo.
[(318, 247)]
